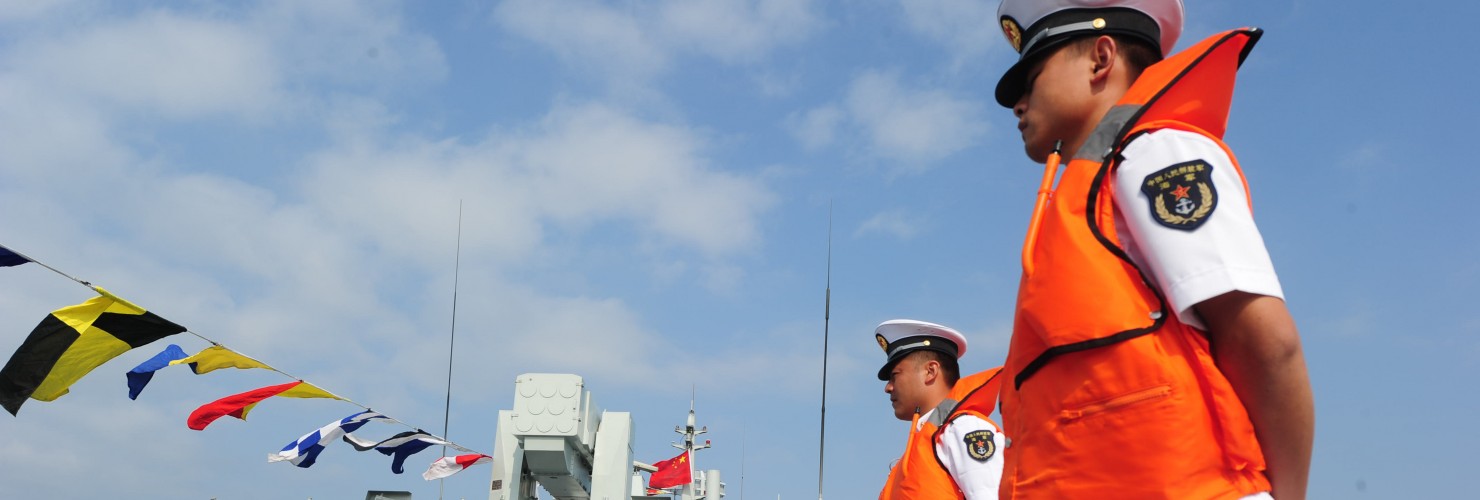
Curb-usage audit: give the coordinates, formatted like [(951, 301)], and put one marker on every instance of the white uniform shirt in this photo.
[(977, 479), (1224, 254)]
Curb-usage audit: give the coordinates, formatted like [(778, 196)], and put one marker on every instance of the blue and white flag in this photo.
[(306, 449), (403, 445)]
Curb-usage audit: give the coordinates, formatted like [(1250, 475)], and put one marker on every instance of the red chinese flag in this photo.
[(671, 472)]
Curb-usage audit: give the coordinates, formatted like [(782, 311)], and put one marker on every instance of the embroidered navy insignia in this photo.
[(1182, 195), (883, 344), (980, 446), (1013, 33)]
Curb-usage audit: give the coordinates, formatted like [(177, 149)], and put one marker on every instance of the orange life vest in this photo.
[(1106, 393), (919, 474)]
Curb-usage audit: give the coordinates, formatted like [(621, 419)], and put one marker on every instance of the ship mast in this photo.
[(689, 433)]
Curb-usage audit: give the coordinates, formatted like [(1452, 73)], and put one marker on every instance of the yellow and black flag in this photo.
[(73, 340)]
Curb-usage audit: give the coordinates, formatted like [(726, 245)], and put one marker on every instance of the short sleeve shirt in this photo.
[(976, 477), (1189, 259)]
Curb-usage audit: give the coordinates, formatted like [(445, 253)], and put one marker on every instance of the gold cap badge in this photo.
[(1013, 33)]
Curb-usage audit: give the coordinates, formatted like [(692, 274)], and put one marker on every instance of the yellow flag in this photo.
[(216, 357)]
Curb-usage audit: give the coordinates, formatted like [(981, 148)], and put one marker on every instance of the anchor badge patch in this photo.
[(980, 446), (1182, 195)]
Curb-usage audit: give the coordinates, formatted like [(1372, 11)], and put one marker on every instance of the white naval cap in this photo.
[(900, 337), (1034, 26)]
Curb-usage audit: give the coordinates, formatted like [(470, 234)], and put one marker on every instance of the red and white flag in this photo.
[(448, 466)]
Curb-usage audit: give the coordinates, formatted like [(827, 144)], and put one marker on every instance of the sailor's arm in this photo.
[(1257, 347), (970, 448)]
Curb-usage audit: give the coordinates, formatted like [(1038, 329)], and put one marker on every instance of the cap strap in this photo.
[(1057, 30), (907, 346)]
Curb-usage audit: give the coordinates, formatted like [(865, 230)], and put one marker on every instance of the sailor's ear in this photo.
[(932, 370), (1103, 54)]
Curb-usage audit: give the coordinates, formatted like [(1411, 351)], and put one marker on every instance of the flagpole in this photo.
[(452, 338), (826, 319)]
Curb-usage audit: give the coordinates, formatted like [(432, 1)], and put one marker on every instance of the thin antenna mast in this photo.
[(826, 317), (452, 338), (743, 435)]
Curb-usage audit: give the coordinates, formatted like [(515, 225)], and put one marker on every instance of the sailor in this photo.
[(953, 449), (1152, 354)]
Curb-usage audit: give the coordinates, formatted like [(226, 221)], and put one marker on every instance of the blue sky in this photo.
[(645, 189)]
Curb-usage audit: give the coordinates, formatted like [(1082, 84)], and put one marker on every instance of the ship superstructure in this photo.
[(556, 437)]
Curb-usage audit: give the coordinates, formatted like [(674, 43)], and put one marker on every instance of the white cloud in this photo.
[(772, 84), (815, 127), (609, 39), (638, 41), (593, 160), (612, 342), (158, 62), (723, 279), (252, 64), (966, 28), (580, 165), (915, 126), (27, 10), (348, 43), (894, 223), (403, 193), (40, 135), (735, 30), (911, 128), (373, 214)]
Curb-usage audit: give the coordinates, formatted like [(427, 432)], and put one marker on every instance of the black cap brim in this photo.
[(944, 347), (1014, 82), (1107, 21), (889, 365)]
